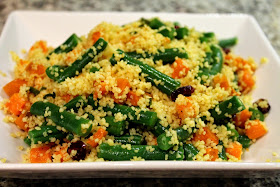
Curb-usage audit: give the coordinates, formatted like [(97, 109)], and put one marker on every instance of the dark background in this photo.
[(267, 13)]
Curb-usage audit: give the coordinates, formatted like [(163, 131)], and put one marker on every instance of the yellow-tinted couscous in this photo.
[(147, 90)]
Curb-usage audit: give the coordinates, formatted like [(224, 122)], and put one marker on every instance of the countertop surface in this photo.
[(267, 13)]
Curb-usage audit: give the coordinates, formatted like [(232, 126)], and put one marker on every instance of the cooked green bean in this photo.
[(177, 155), (207, 37), (159, 129), (27, 140), (164, 141), (80, 63), (67, 46), (155, 23), (226, 108), (245, 141), (215, 61), (69, 121), (182, 32), (75, 103), (115, 128), (45, 133), (167, 85), (190, 151), (147, 118), (167, 56), (129, 139), (233, 133), (229, 42), (117, 153), (256, 114)]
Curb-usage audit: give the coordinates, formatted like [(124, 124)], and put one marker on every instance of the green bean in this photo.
[(229, 42), (155, 23), (190, 151), (245, 141), (49, 138), (167, 85), (147, 118), (129, 139), (182, 134), (75, 103), (159, 129), (34, 90), (55, 71), (117, 153), (67, 46), (256, 114), (27, 140), (164, 142), (207, 37), (215, 60), (182, 32), (81, 62), (229, 107), (65, 119), (176, 155), (115, 128), (233, 133), (167, 56), (45, 134), (167, 32)]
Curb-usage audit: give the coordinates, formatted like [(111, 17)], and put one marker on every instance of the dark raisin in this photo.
[(176, 26), (186, 91), (226, 50), (81, 149), (263, 109)]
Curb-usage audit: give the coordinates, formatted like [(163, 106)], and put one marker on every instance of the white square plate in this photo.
[(23, 28)]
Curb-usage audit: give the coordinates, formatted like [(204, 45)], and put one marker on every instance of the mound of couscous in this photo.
[(148, 90)]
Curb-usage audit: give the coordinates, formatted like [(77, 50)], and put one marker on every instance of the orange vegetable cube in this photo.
[(179, 69), (96, 137), (222, 80), (13, 86), (100, 90), (213, 154), (241, 118), (246, 80), (207, 136), (35, 69), (95, 36), (39, 45), (19, 122), (235, 149), (133, 98), (16, 104), (185, 107), (255, 129), (40, 154)]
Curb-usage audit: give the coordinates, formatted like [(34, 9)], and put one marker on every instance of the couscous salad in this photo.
[(147, 90)]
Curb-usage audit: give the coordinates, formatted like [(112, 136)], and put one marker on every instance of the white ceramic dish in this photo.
[(23, 28)]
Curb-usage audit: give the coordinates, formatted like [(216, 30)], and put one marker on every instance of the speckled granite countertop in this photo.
[(267, 13)]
